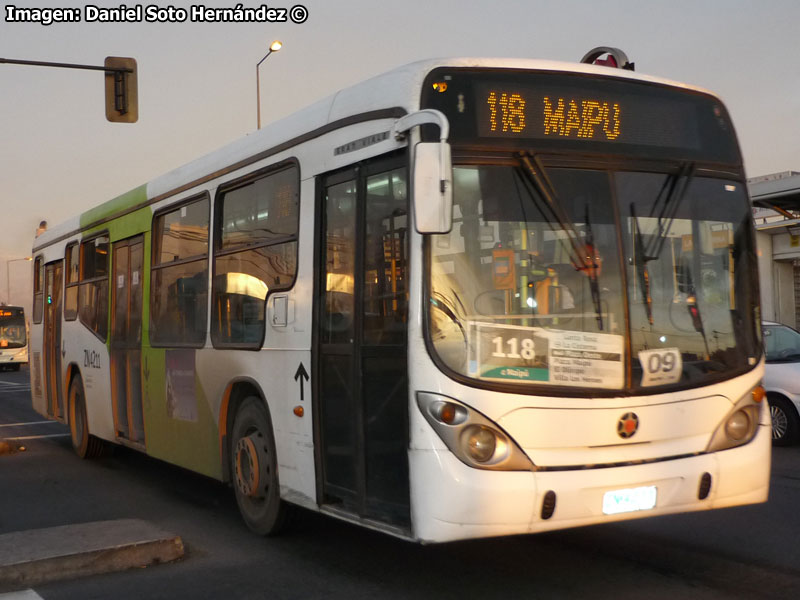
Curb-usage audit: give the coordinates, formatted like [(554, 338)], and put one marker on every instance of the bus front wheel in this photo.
[(85, 444), (254, 469)]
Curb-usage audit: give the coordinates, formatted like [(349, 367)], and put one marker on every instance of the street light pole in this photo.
[(8, 276), (273, 47)]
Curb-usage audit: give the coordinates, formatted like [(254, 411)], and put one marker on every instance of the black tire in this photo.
[(785, 425), (254, 469), (85, 444)]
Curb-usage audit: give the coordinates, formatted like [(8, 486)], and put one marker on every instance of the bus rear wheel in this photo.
[(254, 469), (85, 444)]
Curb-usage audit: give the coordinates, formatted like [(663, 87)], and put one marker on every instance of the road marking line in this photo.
[(37, 437), (25, 424), (21, 595)]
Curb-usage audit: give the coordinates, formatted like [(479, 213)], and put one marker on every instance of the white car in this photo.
[(782, 381)]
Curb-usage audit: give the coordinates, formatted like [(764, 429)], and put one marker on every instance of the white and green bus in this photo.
[(465, 298)]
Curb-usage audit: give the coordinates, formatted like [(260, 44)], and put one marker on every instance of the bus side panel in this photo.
[(295, 439), (273, 372), (184, 389), (180, 426), (35, 343), (82, 348), (281, 370)]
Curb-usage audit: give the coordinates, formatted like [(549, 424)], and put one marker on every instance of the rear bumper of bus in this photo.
[(452, 501)]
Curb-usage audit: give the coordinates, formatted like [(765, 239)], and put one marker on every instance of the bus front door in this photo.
[(361, 372), (53, 276), (126, 339)]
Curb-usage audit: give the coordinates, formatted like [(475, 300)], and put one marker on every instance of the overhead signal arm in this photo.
[(121, 89)]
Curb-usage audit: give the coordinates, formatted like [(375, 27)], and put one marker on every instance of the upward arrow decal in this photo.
[(302, 375)]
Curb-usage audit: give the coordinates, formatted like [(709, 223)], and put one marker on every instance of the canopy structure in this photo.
[(776, 200), (776, 212)]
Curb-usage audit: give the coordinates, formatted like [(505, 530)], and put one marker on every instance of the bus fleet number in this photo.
[(91, 359)]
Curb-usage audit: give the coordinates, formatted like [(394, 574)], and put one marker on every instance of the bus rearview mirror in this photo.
[(433, 188)]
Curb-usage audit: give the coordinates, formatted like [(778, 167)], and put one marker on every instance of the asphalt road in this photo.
[(746, 552)]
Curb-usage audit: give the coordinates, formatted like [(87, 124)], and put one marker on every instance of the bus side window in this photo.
[(179, 282), (38, 290), (255, 253), (71, 282), (93, 291)]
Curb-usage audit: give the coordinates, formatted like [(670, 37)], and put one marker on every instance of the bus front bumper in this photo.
[(452, 501), (14, 357)]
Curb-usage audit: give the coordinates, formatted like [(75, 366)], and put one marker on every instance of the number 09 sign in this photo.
[(660, 366)]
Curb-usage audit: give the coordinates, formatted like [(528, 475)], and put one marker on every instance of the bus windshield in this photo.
[(530, 285), (12, 328)]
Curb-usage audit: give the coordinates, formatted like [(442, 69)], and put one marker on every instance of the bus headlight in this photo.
[(740, 424), (480, 443), (472, 437)]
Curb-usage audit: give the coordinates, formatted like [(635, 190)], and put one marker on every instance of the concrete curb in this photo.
[(41, 555)]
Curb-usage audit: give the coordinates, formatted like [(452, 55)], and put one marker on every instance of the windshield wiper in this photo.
[(668, 201), (545, 191), (582, 259)]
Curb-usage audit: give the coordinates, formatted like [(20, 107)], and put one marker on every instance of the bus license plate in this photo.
[(630, 500)]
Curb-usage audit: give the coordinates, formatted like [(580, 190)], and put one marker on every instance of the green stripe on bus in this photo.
[(115, 206), (180, 425)]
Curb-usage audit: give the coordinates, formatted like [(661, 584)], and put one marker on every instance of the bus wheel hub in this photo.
[(250, 460)]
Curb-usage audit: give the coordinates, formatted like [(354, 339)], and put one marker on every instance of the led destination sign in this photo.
[(549, 110), (564, 113), (590, 119)]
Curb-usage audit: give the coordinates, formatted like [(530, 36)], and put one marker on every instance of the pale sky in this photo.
[(59, 156)]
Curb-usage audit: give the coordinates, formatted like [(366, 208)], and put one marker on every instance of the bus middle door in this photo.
[(126, 339)]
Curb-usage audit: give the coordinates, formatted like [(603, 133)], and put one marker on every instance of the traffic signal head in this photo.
[(122, 98)]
